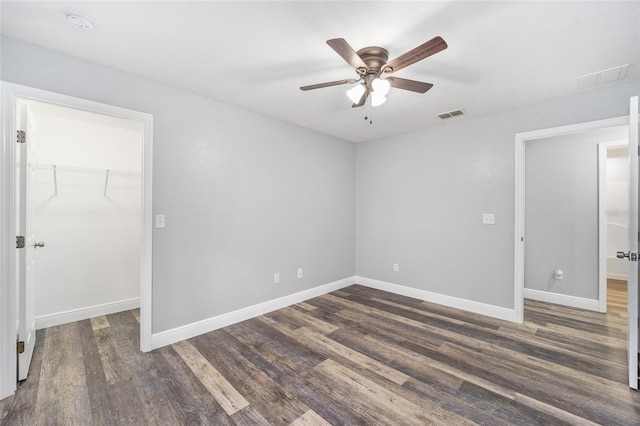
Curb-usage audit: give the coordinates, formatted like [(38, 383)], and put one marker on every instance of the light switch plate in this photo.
[(160, 221), (488, 218)]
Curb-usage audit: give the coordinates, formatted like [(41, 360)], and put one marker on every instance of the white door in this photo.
[(632, 307), (27, 255)]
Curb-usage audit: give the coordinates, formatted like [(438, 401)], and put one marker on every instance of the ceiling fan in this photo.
[(371, 65)]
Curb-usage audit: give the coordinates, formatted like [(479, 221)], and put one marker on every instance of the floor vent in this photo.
[(602, 77), (450, 114)]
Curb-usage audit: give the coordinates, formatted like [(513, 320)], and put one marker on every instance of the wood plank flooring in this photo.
[(357, 356)]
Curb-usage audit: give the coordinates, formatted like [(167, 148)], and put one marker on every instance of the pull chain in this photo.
[(368, 114)]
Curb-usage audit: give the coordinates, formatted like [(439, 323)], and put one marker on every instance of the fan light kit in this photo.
[(79, 22), (371, 65)]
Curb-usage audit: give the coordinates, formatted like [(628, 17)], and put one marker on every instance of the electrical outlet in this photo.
[(488, 218), (395, 267), (299, 272), (276, 278)]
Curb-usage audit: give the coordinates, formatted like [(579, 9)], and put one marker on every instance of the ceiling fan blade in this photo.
[(362, 100), (329, 84), (412, 85), (425, 50), (343, 49)]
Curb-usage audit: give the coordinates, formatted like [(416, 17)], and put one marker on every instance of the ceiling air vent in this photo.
[(602, 77), (451, 114)]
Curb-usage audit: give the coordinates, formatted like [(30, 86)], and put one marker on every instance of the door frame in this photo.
[(519, 235), (10, 94), (603, 148)]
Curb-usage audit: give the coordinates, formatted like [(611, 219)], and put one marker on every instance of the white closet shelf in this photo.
[(88, 170), (58, 167)]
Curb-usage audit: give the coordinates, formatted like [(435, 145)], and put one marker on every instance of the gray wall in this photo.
[(562, 211), (421, 196), (245, 196)]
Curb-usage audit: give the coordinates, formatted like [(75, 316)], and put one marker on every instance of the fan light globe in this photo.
[(355, 93), (380, 86), (377, 99)]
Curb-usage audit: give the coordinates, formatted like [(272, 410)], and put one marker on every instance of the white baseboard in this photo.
[(562, 299), (65, 317), (188, 331), (442, 299), (621, 277)]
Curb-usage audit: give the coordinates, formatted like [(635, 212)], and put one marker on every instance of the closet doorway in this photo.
[(613, 215), (87, 212), (21, 170)]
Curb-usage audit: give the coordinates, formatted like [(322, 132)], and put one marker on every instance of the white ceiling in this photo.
[(256, 55)]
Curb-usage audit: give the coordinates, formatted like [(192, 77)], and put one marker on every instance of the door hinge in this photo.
[(21, 137), (19, 241), (20, 346)]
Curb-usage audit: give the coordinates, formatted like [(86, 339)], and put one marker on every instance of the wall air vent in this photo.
[(450, 114), (602, 77)]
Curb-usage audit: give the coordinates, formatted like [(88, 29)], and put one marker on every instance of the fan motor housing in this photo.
[(375, 57)]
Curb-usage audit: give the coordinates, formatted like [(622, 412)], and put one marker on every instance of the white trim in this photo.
[(519, 244), (442, 299), (146, 234), (619, 277), (8, 315), (573, 128), (66, 317), (10, 93), (562, 299), (603, 148), (632, 283), (188, 331), (519, 234)]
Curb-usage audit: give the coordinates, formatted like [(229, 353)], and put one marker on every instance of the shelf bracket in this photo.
[(106, 182)]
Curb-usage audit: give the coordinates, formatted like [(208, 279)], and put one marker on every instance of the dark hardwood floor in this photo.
[(357, 356)]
